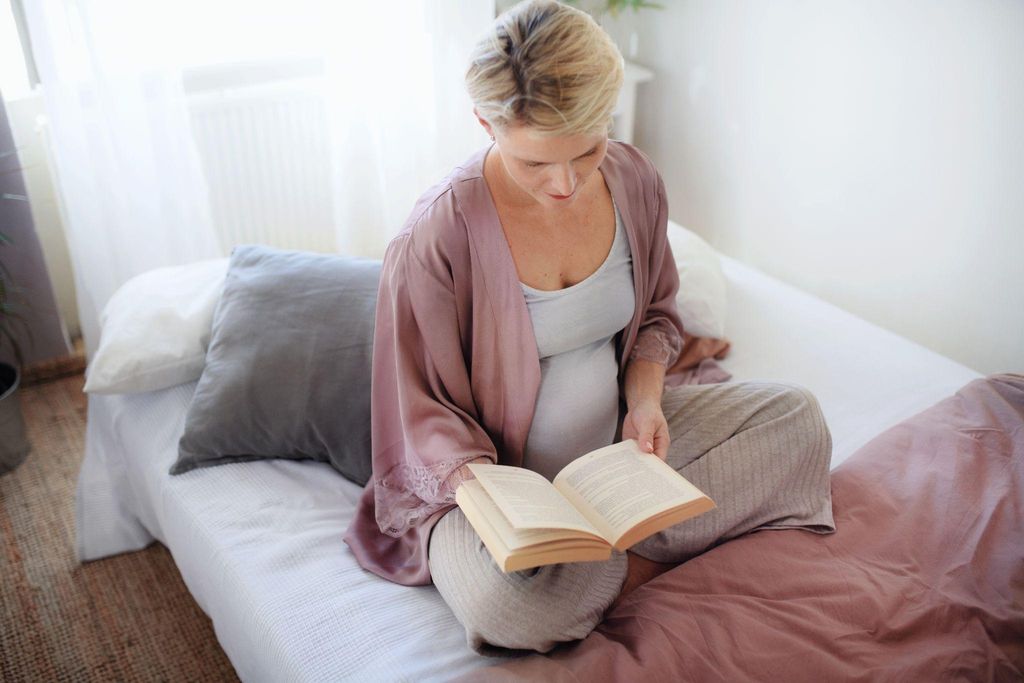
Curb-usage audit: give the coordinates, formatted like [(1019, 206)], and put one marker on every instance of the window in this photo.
[(16, 78)]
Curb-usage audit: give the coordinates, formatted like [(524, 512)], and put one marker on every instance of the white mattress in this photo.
[(259, 544)]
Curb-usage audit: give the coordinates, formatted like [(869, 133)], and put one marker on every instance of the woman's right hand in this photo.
[(463, 473)]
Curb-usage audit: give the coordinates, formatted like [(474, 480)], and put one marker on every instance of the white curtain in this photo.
[(131, 183)]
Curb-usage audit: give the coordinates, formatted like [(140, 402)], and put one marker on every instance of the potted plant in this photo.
[(613, 7), (14, 446)]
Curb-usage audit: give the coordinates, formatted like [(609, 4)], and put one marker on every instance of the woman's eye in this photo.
[(535, 164)]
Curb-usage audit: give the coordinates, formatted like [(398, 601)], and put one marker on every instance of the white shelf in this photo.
[(624, 116)]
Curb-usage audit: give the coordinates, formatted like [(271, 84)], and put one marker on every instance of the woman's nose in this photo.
[(564, 179)]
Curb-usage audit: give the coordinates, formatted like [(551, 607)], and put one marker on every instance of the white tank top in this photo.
[(578, 401)]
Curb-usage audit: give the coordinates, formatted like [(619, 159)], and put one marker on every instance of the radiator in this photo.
[(265, 150)]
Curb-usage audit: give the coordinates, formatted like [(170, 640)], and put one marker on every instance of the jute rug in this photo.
[(125, 618)]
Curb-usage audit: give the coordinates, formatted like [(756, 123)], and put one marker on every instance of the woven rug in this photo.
[(125, 618)]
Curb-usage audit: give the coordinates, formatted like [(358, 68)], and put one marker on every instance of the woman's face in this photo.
[(552, 170)]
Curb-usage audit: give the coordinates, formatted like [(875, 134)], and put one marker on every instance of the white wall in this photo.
[(870, 152)]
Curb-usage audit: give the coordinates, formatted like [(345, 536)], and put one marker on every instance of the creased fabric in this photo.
[(923, 579), (455, 366)]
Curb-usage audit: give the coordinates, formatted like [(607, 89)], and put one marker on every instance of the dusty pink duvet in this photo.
[(923, 580)]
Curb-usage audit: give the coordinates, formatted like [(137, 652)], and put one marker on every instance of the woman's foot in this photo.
[(640, 571)]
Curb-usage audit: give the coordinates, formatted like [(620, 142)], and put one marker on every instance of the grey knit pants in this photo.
[(760, 450)]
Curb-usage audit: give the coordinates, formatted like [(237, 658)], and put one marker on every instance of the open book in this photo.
[(612, 497)]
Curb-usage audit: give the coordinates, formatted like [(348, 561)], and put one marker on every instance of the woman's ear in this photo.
[(484, 123)]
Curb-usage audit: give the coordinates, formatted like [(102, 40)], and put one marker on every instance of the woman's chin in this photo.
[(556, 201)]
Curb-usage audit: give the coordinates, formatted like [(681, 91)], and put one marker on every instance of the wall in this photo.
[(869, 152)]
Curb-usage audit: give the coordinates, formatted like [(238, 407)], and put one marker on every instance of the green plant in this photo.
[(614, 7)]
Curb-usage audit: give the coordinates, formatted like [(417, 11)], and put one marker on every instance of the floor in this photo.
[(124, 618)]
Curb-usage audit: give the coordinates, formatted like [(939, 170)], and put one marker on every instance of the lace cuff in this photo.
[(408, 494), (657, 346)]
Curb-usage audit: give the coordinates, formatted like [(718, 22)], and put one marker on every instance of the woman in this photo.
[(527, 305)]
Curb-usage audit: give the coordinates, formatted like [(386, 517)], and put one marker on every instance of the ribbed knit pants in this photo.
[(760, 450)]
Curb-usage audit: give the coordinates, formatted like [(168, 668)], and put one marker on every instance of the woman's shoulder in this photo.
[(635, 181), (437, 208), (631, 158), (436, 230)]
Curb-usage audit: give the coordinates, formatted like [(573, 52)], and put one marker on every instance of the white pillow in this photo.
[(702, 298), (155, 329)]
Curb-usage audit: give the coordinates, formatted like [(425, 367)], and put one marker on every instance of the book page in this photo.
[(623, 486), (512, 538), (528, 500)]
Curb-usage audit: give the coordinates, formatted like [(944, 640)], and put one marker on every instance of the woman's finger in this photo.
[(661, 441), (646, 438)]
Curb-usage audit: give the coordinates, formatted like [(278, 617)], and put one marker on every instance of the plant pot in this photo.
[(14, 445)]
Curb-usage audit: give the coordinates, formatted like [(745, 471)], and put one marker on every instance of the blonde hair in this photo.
[(546, 65)]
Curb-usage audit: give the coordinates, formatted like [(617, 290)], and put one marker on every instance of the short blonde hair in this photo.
[(546, 65)]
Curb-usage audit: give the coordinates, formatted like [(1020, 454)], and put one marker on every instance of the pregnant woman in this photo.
[(526, 316)]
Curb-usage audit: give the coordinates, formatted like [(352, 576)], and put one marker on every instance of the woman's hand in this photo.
[(645, 381), (646, 423), (463, 473)]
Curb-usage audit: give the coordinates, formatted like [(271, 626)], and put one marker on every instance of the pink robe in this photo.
[(455, 365)]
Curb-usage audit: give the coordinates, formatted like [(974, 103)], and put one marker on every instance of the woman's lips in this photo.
[(561, 196)]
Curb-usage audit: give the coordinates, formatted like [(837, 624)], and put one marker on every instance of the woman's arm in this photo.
[(645, 422), (424, 424), (660, 337), (463, 474)]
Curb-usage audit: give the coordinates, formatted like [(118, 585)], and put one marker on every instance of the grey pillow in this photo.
[(287, 372)]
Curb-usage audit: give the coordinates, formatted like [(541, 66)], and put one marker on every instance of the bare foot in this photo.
[(640, 571)]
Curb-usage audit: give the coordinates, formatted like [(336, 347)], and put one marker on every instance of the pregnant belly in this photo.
[(577, 407)]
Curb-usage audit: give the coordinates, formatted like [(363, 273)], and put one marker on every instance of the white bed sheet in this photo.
[(866, 378), (259, 544)]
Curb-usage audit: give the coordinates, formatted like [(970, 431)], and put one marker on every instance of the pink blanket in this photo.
[(923, 580)]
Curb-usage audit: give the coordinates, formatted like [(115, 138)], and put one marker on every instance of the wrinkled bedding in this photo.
[(923, 580), (259, 544)]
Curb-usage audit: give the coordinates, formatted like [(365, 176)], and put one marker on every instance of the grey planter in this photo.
[(14, 445)]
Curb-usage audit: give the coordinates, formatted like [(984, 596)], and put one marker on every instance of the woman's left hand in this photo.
[(646, 423)]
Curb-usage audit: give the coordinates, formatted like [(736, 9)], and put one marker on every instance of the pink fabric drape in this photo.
[(455, 366), (922, 581)]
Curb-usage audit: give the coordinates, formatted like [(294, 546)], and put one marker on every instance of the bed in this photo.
[(259, 544)]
